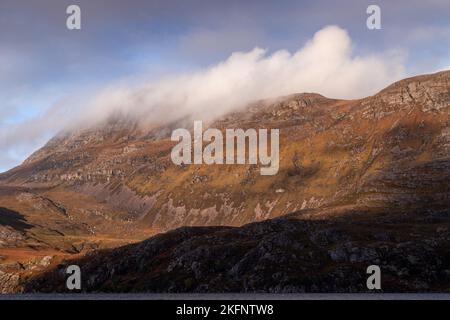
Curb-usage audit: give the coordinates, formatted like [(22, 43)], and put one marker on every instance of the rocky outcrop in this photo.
[(9, 282), (284, 255)]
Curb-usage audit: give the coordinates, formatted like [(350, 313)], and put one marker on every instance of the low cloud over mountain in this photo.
[(325, 64)]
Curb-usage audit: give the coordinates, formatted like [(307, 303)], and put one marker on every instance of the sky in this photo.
[(162, 59)]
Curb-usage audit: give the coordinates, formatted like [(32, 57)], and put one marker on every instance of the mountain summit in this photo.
[(386, 155)]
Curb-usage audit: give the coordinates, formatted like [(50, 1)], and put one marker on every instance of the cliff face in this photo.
[(115, 183)]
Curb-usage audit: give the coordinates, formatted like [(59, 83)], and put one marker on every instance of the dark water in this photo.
[(232, 296)]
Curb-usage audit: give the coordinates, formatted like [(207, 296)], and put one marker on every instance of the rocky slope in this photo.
[(114, 184), (388, 149), (286, 255)]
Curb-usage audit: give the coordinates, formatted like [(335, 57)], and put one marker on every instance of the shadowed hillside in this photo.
[(114, 184)]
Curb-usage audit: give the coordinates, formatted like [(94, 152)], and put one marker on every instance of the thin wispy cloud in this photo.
[(41, 61)]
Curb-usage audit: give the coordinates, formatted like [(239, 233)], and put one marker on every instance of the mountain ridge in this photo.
[(116, 184), (114, 162)]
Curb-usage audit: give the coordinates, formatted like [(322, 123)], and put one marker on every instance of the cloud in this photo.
[(325, 64)]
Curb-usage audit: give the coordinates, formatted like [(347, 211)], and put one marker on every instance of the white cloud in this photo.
[(325, 65)]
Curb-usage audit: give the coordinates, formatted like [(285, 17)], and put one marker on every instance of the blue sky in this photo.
[(42, 64)]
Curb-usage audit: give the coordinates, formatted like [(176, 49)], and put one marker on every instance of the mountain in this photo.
[(382, 157), (291, 254)]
